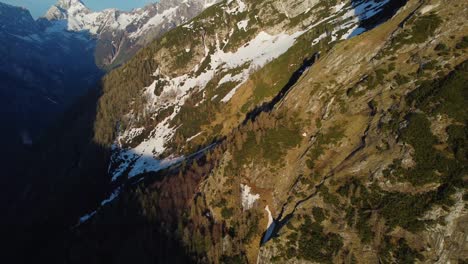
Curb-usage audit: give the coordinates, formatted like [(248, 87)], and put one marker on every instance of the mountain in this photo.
[(16, 19), (121, 34), (201, 68), (266, 132)]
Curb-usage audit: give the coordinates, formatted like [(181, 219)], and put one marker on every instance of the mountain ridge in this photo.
[(127, 30)]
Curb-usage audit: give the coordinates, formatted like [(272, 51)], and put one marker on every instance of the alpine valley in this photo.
[(49, 62), (237, 131)]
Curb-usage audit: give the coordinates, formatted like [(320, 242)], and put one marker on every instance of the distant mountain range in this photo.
[(120, 34)]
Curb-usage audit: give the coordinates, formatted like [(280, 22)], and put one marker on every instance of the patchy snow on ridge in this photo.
[(155, 21), (248, 199), (258, 52), (151, 164), (144, 157), (352, 32)]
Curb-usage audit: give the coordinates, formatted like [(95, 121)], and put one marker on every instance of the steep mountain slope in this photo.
[(200, 77), (17, 20), (361, 160), (273, 132)]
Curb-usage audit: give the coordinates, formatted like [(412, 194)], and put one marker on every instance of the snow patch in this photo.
[(240, 7), (86, 217), (339, 7), (155, 21), (270, 226), (113, 195), (229, 78), (319, 38), (194, 136), (248, 199), (189, 25), (428, 8), (242, 25), (258, 52)]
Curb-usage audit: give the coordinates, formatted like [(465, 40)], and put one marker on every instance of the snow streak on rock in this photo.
[(270, 226)]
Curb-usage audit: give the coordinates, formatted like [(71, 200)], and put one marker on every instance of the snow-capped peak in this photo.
[(63, 9), (67, 4)]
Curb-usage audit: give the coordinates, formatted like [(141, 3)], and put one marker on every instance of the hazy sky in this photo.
[(39, 7)]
